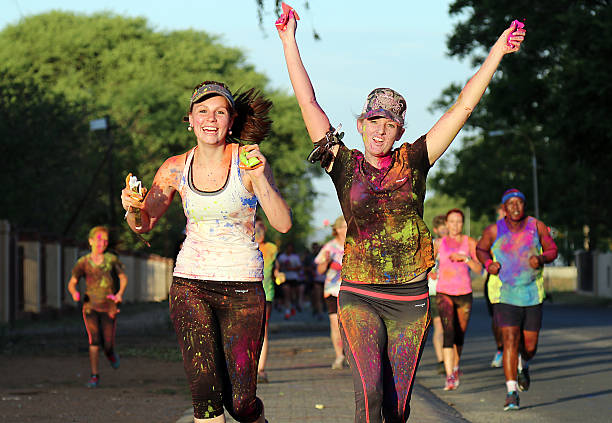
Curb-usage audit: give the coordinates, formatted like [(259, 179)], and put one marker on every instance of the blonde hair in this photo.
[(337, 223), (93, 231)]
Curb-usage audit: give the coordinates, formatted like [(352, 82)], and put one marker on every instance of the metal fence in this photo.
[(34, 274)]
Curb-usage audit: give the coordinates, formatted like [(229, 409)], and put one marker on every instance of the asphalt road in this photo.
[(571, 374)]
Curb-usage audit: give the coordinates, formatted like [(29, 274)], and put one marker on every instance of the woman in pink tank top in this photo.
[(457, 255)]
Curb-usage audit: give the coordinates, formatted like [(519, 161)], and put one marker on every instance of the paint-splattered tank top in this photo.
[(453, 276), (387, 240), (220, 243), (517, 283)]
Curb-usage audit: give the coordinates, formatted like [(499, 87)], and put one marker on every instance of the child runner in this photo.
[(99, 302), (383, 299), (217, 301)]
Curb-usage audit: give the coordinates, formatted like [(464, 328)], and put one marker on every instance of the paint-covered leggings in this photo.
[(455, 313), (383, 329), (100, 329), (220, 327)]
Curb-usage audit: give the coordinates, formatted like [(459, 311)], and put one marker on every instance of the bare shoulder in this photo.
[(170, 172)]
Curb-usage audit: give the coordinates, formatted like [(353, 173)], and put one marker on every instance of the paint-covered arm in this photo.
[(315, 119), (274, 206), (549, 248), (472, 261), (446, 129), (72, 284), (483, 250), (158, 199)]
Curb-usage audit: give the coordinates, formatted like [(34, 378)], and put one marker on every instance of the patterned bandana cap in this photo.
[(385, 102), (512, 193), (209, 89)]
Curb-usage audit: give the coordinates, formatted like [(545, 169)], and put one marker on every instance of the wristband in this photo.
[(487, 263)]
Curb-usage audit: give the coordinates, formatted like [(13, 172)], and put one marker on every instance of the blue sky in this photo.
[(398, 44)]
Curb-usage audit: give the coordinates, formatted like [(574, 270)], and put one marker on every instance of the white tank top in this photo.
[(220, 243)]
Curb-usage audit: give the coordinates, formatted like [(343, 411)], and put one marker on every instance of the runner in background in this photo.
[(329, 263), (457, 255), (290, 264), (497, 358), (100, 303), (514, 251), (439, 230), (315, 281), (269, 251)]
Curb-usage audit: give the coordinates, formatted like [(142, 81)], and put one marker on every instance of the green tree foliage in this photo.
[(551, 99), (108, 65)]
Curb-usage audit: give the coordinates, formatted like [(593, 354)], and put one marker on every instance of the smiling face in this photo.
[(514, 208), (211, 120), (99, 242), (379, 134)]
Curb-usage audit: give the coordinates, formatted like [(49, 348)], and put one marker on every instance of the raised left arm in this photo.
[(447, 127)]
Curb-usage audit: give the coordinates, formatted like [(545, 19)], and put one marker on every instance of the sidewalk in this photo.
[(303, 388)]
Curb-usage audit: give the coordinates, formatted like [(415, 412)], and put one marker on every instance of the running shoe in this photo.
[(113, 359), (440, 369), (338, 363), (451, 383), (497, 359), (512, 401), (524, 380), (94, 381)]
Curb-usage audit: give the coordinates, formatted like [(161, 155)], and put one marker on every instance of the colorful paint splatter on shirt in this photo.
[(517, 283), (98, 281), (387, 240)]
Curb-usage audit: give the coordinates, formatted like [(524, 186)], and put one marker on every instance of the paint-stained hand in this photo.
[(494, 268), (257, 171), (535, 262), (287, 31), (510, 40), (130, 198)]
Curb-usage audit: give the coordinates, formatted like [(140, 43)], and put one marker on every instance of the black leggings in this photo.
[(455, 313), (383, 328), (220, 328), (100, 329)]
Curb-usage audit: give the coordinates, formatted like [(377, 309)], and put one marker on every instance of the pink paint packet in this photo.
[(517, 25), (111, 297), (288, 11)]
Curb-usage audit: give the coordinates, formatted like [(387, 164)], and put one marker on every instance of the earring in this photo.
[(230, 132), (190, 128)]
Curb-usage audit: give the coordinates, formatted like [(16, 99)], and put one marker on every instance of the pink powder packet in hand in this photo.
[(111, 297), (281, 22), (517, 25)]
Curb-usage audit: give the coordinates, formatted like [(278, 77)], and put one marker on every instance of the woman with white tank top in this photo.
[(217, 301)]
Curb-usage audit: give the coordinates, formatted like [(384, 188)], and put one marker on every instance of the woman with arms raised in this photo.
[(383, 299)]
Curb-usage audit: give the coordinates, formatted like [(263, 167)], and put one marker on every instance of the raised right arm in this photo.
[(317, 123)]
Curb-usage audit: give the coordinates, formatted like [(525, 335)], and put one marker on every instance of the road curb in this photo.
[(436, 406)]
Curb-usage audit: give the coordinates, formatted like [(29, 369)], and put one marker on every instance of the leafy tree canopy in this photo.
[(65, 69), (551, 101)]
